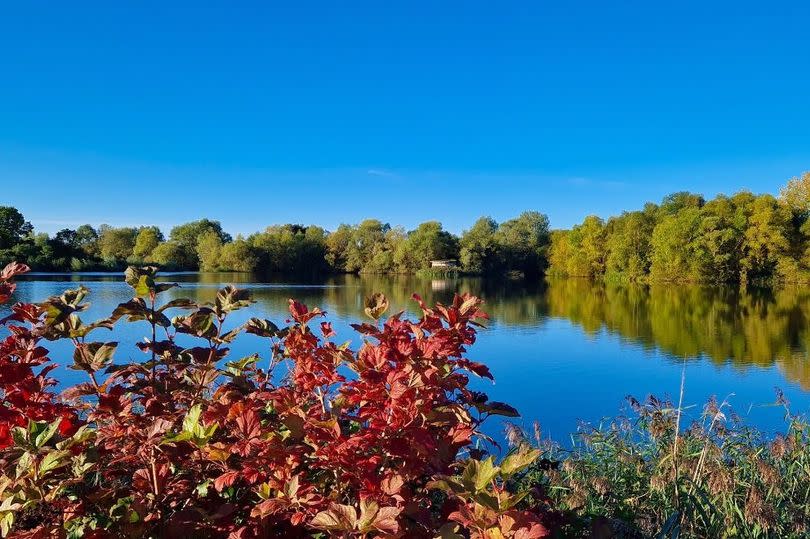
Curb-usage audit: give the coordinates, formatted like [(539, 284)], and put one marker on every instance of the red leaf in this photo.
[(225, 480), (249, 425), (301, 314), (13, 269), (326, 330)]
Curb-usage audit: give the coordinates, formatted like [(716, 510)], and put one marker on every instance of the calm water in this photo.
[(561, 352)]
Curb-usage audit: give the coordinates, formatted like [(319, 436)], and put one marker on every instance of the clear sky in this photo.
[(256, 113)]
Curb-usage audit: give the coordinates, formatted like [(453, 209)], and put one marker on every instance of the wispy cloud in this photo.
[(382, 173)]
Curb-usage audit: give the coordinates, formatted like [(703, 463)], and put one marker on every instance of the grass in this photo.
[(646, 475)]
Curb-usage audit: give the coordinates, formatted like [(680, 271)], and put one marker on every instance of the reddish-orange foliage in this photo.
[(351, 444)]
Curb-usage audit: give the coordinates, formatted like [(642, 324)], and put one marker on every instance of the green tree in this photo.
[(337, 246), (239, 255), (67, 238), (187, 235), (676, 202), (87, 239), (169, 254), (209, 250), (560, 253), (673, 246), (719, 241), (145, 242), (524, 242), (291, 248), (628, 245), (368, 242), (428, 242), (13, 227), (796, 194), (765, 240), (589, 252), (116, 243), (479, 249)]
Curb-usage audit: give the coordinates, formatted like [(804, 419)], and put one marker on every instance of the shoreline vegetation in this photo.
[(744, 238), (193, 443)]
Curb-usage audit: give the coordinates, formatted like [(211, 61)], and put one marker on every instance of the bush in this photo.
[(377, 442)]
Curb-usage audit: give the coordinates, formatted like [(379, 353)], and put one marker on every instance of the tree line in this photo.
[(740, 238), (372, 246)]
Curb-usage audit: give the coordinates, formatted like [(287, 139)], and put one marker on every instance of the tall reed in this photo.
[(646, 475)]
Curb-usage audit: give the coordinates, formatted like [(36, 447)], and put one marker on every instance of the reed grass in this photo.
[(649, 474)]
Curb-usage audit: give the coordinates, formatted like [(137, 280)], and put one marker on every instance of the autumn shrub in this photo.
[(650, 474), (308, 439)]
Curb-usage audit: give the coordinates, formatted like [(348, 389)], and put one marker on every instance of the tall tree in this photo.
[(87, 239), (368, 241), (209, 250), (116, 243), (13, 227), (796, 194), (524, 242), (765, 240), (479, 249), (337, 246), (145, 242), (673, 246), (628, 244), (186, 236)]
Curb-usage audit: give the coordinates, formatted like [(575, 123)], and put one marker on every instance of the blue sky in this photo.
[(256, 113)]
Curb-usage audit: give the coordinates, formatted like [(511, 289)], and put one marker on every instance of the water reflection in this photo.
[(724, 324), (744, 327), (547, 343)]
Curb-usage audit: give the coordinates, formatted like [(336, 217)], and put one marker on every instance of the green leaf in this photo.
[(24, 464), (236, 368), (44, 436), (183, 436), (479, 474), (20, 436), (202, 488), (192, 418), (142, 279), (53, 460), (104, 354), (519, 460), (486, 473), (487, 500), (193, 431), (6, 522)]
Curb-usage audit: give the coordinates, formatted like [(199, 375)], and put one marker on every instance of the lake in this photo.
[(561, 352)]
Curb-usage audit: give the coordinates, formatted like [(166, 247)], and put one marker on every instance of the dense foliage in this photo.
[(517, 245), (742, 238), (311, 439), (654, 475)]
